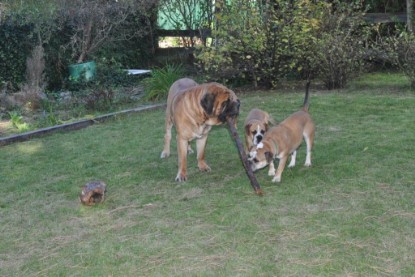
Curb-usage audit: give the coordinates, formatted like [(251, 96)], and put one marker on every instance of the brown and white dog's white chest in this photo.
[(202, 131)]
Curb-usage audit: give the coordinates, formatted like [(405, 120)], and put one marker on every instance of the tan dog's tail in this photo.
[(273, 121), (306, 104)]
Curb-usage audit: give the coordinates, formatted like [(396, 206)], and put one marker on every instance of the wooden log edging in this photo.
[(73, 125)]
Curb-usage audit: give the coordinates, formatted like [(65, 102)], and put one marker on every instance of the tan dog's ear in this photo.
[(266, 127), (208, 103), (269, 157)]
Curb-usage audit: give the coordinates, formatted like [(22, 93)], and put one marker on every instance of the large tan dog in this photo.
[(194, 109), (284, 139), (256, 124)]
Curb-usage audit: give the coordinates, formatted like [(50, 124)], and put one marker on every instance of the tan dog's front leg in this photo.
[(189, 149), (182, 155), (280, 169), (200, 147)]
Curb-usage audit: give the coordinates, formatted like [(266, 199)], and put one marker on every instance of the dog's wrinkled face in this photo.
[(220, 102), (257, 132), (259, 157)]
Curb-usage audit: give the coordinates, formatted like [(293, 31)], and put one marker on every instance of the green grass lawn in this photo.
[(351, 214)]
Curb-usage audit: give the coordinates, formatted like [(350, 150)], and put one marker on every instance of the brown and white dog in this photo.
[(283, 140), (256, 124), (194, 109)]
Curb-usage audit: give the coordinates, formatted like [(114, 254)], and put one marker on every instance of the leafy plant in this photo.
[(16, 118), (157, 86), (15, 45), (17, 121), (49, 117), (98, 93), (260, 42), (400, 51), (264, 42), (338, 46)]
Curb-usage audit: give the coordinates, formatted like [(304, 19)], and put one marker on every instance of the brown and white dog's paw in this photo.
[(276, 179), (291, 165), (204, 167), (271, 171), (164, 154)]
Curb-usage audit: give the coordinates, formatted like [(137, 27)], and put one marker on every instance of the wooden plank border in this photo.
[(385, 17), (73, 125)]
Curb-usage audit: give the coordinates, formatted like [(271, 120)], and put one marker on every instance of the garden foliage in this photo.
[(157, 87), (265, 42), (66, 39), (16, 42), (400, 49)]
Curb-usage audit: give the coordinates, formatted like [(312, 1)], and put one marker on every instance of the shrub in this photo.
[(157, 86), (400, 51), (339, 45), (264, 43), (17, 121), (259, 42), (99, 92), (16, 41)]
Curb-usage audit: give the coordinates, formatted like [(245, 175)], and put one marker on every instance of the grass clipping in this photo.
[(244, 159)]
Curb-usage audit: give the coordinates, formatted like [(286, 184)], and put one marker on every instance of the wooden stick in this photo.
[(244, 159)]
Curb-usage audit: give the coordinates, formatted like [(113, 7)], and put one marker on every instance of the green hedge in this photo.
[(16, 42)]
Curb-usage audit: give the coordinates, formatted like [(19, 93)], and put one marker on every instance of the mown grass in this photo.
[(352, 213)]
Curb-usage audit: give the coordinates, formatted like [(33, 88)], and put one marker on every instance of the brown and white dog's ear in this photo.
[(208, 102), (269, 157), (247, 128), (266, 126)]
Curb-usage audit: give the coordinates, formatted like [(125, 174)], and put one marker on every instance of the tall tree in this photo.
[(409, 15)]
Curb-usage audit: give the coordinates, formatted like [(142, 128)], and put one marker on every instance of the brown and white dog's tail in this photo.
[(306, 104)]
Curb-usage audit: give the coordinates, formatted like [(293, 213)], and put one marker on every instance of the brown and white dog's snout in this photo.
[(257, 158), (258, 135), (256, 124)]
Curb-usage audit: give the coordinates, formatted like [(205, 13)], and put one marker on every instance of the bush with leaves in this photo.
[(260, 41), (99, 93), (16, 42), (265, 41), (399, 49), (158, 85), (339, 45)]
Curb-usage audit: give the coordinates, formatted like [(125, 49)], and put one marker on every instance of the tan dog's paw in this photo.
[(307, 164), (181, 177), (164, 154), (203, 166)]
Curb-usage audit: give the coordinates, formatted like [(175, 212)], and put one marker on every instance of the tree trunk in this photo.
[(86, 41), (409, 15)]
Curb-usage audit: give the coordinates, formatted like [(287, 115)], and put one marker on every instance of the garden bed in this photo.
[(73, 125)]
